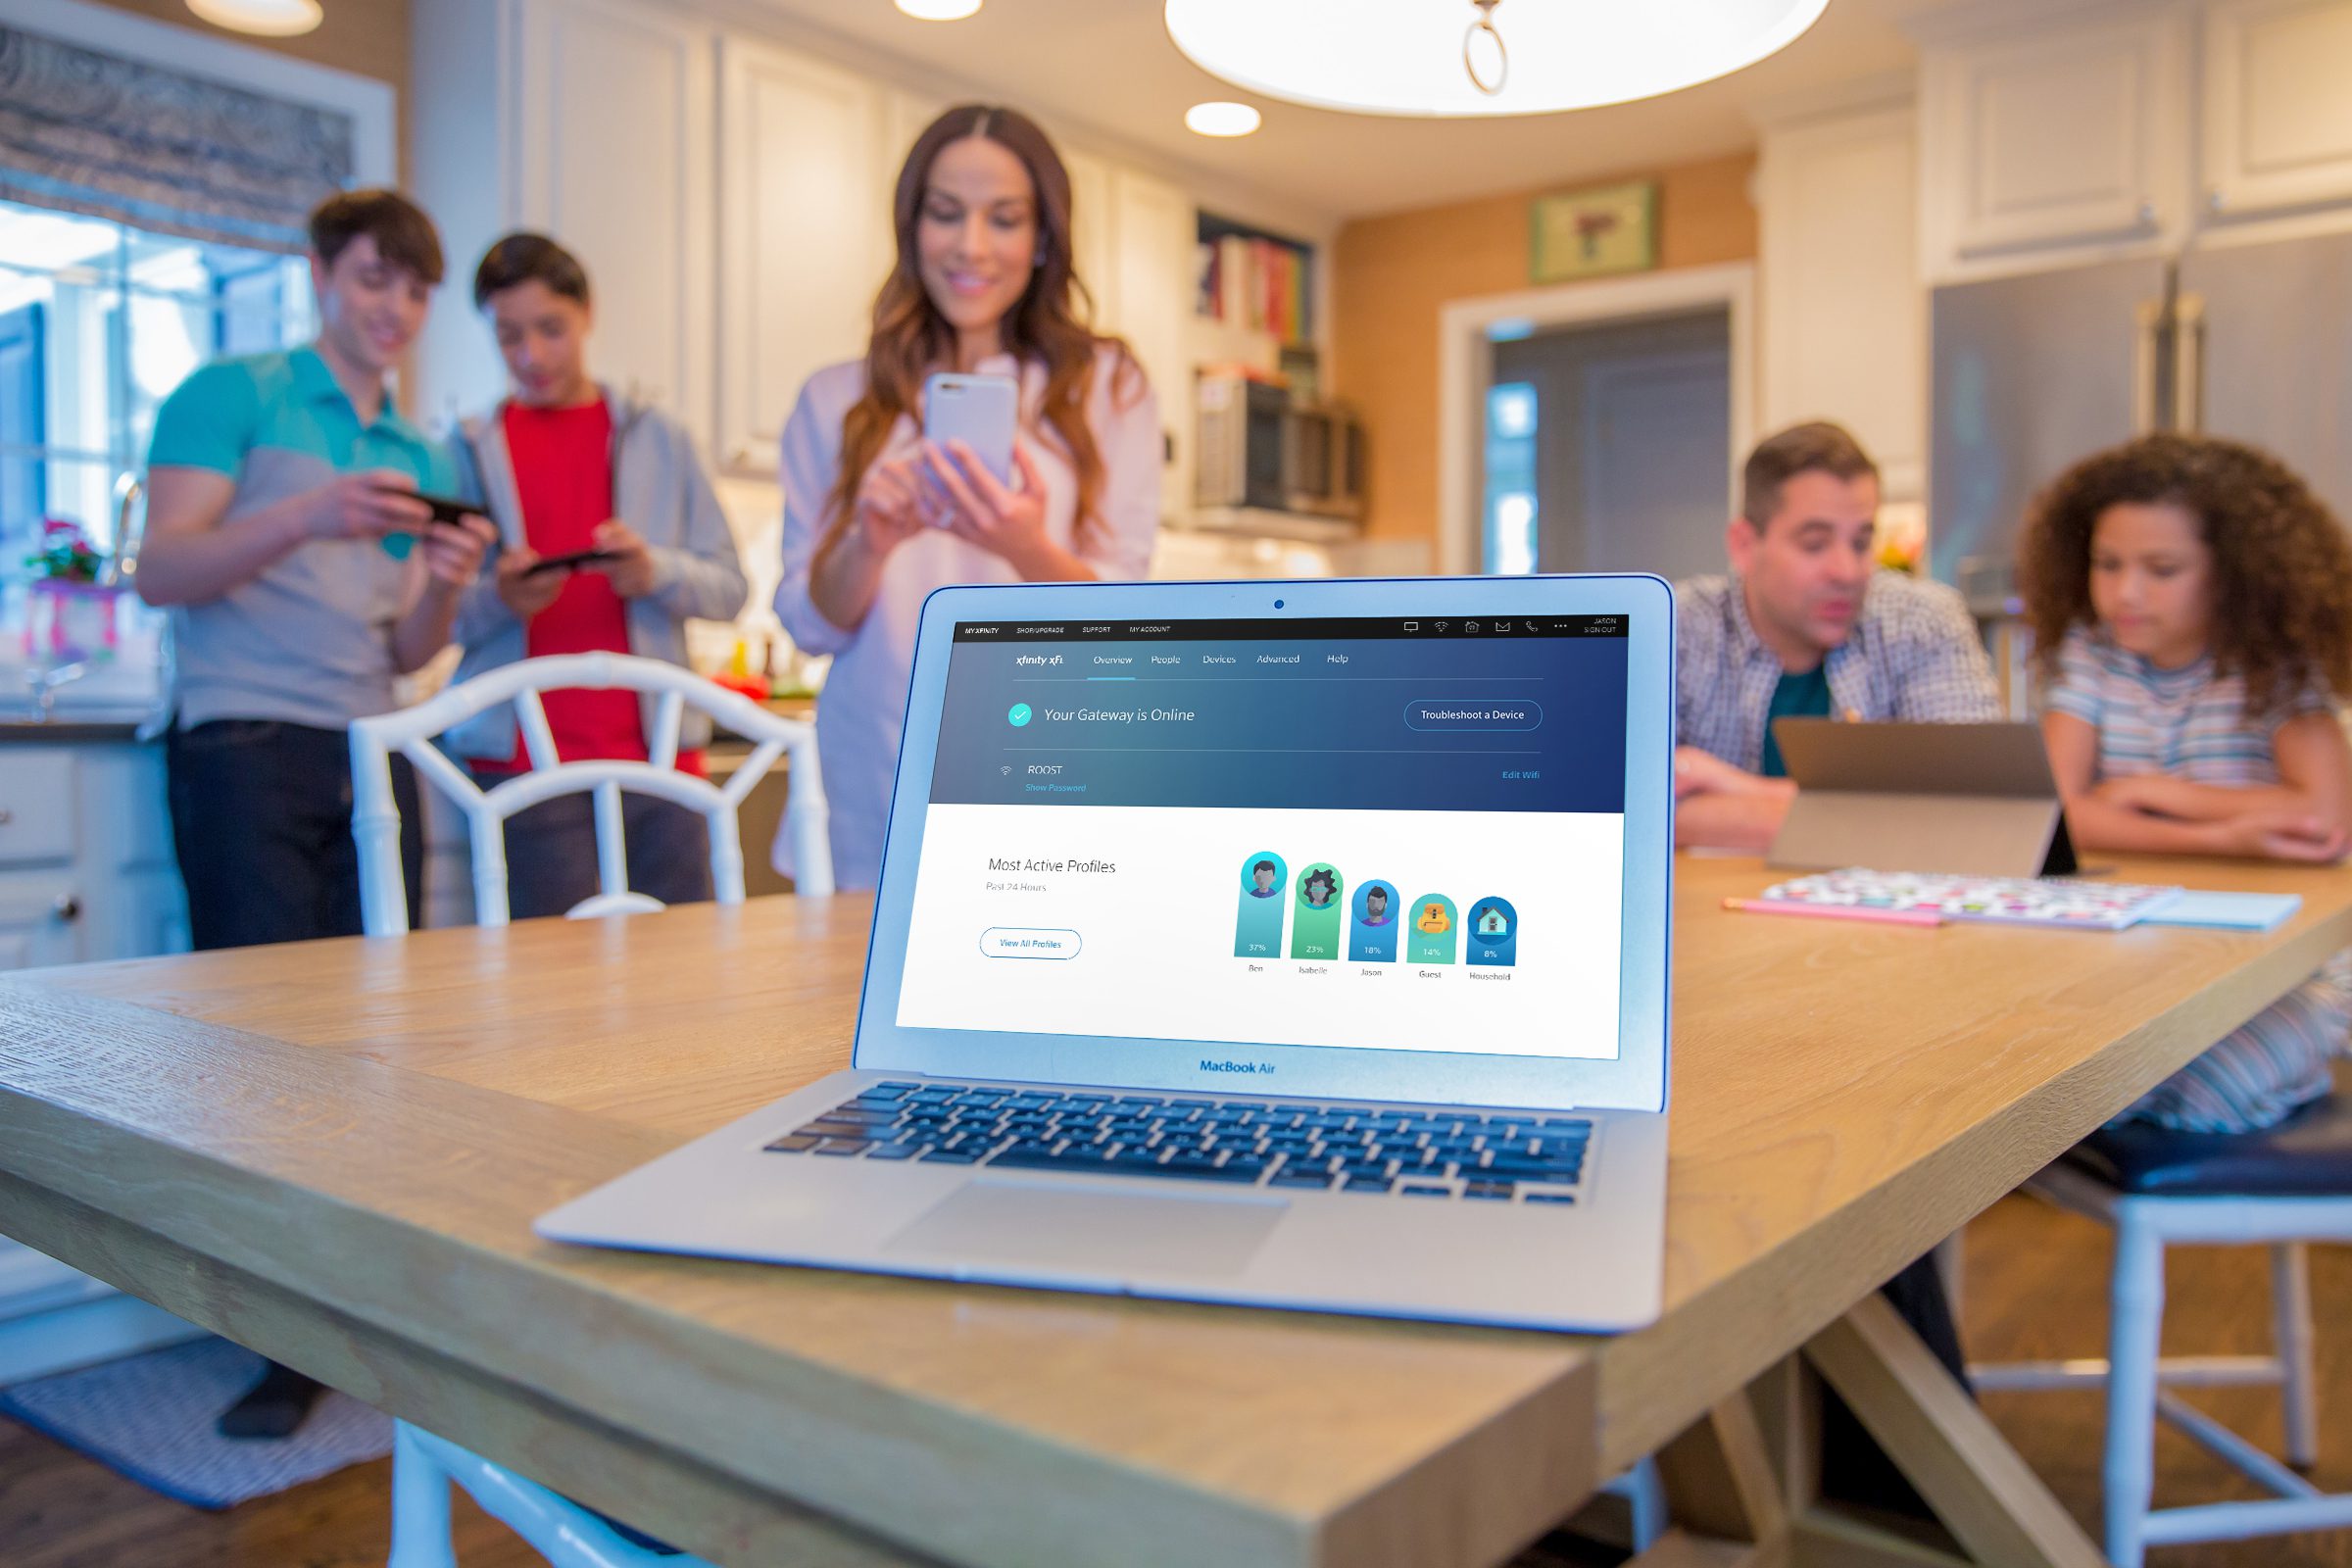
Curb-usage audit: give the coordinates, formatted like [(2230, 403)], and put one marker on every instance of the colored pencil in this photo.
[(1835, 911)]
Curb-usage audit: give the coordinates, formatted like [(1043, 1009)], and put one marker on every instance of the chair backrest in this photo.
[(376, 815)]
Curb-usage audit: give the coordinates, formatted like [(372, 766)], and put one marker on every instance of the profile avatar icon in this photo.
[(1376, 905), (1434, 919), (1491, 921), (1263, 877), (1319, 887)]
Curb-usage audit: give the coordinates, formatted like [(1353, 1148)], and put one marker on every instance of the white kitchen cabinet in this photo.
[(86, 866), (2277, 122), (1155, 236), (1845, 332), (87, 872), (1094, 218), (2043, 135), (612, 144), (804, 233)]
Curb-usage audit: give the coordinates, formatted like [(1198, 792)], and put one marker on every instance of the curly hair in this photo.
[(2282, 566)]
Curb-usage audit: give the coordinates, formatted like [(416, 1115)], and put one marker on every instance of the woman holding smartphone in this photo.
[(609, 539), (875, 517)]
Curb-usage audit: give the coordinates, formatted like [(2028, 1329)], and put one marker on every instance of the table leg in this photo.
[(1994, 1506), (1744, 1485), (1720, 1478)]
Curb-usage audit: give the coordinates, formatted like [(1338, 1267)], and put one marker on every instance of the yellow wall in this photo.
[(1391, 275), (366, 38)]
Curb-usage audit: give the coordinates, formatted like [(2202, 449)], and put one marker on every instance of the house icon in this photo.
[(1492, 922)]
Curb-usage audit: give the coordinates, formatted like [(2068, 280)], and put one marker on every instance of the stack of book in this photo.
[(1259, 284)]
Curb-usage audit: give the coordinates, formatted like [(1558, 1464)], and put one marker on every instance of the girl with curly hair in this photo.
[(2191, 601)]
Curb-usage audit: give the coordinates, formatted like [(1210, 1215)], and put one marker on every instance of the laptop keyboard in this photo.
[(1422, 1152)]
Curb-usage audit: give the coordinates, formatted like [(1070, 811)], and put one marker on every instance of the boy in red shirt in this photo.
[(567, 466)]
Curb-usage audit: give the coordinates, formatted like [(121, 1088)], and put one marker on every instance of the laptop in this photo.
[(1294, 945)]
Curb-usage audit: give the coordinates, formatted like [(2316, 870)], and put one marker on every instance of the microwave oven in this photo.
[(1257, 448)]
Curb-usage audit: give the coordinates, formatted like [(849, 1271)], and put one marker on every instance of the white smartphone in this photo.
[(980, 411)]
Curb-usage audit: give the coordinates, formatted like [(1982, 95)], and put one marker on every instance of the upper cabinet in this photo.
[(1155, 229), (803, 234), (613, 156), (2277, 105), (2056, 134), (1845, 322)]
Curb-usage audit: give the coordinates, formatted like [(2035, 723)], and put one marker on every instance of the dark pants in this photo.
[(551, 852), (1853, 1467), (261, 820)]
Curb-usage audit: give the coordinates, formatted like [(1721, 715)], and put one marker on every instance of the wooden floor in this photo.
[(2037, 1289)]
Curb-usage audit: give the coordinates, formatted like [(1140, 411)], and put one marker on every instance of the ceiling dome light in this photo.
[(272, 19), (938, 9), (1446, 58), (1221, 119)]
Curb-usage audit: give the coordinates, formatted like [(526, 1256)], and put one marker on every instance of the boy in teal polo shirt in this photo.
[(303, 576)]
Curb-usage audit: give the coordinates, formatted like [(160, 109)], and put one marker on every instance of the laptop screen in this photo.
[(1402, 834)]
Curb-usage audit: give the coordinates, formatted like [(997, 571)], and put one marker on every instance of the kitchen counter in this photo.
[(64, 731)]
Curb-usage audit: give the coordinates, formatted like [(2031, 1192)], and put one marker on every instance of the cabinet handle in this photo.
[(67, 907)]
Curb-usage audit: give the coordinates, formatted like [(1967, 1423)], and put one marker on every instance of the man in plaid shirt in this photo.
[(1806, 627)]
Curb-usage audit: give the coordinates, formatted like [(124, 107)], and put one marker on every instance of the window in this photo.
[(1510, 499), (98, 322)]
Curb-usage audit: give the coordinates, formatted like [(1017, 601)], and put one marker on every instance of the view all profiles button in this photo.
[(1470, 713), (1028, 942)]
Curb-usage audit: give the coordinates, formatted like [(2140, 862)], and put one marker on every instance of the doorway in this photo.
[(1605, 445), (1596, 427)]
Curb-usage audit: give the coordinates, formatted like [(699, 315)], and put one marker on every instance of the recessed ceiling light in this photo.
[(1221, 118), (938, 9), (1477, 57), (272, 19)]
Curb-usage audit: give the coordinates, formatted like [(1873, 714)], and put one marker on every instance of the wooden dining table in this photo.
[(333, 1151)]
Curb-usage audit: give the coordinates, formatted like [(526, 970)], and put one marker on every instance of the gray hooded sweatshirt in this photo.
[(659, 489)]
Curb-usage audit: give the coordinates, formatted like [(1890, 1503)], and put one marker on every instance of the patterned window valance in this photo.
[(117, 138)]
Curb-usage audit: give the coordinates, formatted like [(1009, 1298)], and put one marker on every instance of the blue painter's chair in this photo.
[(2284, 1186)]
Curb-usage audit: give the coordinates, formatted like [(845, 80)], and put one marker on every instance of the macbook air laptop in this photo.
[(1290, 944)]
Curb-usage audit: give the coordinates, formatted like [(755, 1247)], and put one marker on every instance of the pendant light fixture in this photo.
[(270, 18), (1448, 58)]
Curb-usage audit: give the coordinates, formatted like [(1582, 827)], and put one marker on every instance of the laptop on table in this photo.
[(1285, 944)]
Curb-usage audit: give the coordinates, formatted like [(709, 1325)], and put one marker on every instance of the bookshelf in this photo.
[(1257, 282)]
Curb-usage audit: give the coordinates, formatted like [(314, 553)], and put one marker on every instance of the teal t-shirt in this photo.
[(1805, 696), (310, 640)]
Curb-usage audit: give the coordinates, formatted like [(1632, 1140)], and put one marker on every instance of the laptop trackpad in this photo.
[(1063, 1225)]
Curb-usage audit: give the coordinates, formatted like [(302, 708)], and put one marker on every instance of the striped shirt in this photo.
[(1913, 655), (2191, 724)]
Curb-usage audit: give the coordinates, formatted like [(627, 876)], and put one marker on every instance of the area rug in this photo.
[(150, 1418)]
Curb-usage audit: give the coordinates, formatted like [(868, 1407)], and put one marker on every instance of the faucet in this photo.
[(124, 563), (43, 679)]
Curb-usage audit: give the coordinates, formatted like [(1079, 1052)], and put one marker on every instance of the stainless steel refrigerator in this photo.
[(2248, 341)]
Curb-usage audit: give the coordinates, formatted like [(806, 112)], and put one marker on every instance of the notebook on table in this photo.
[(2070, 903)]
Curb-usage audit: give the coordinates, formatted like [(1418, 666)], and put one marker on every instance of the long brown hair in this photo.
[(1049, 323), (2282, 566)]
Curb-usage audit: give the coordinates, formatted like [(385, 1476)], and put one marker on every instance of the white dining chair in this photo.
[(2283, 1187), (423, 1466), (375, 816)]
